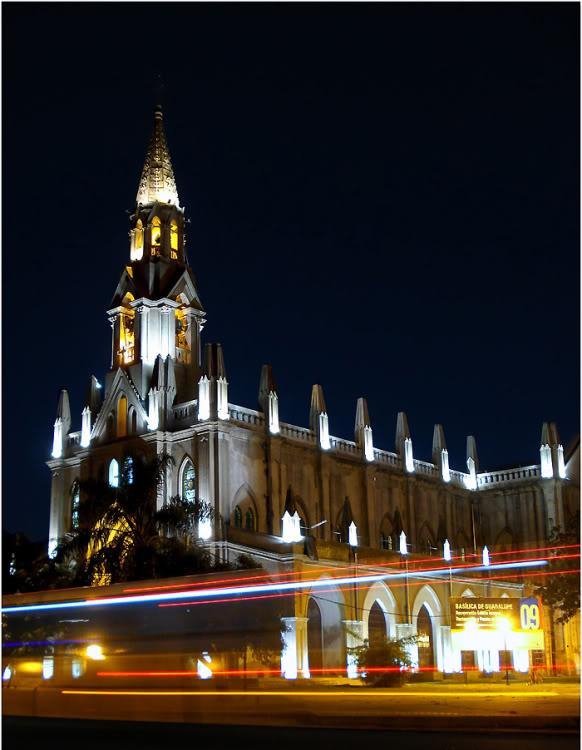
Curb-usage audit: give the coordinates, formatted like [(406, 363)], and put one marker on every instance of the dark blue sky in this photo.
[(383, 198)]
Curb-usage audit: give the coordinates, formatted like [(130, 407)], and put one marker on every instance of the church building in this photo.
[(298, 497)]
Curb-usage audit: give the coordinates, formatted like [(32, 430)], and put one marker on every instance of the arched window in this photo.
[(386, 542), (237, 518), (128, 470), (110, 426), (249, 520), (122, 417), (137, 249), (114, 473), (188, 482), (75, 502), (156, 234), (173, 240)]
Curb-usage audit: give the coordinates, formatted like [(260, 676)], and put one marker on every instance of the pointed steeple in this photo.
[(157, 184), (62, 425), (363, 430), (440, 454), (318, 420), (472, 463), (213, 385), (404, 442), (268, 399)]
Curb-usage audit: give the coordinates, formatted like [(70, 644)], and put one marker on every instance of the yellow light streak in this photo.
[(310, 693)]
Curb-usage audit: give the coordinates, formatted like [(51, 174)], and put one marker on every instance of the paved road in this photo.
[(66, 734), (542, 708)]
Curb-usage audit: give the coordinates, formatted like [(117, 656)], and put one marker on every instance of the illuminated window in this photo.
[(173, 240), (156, 233), (114, 474), (137, 241), (237, 518), (249, 520), (122, 417), (75, 502), (189, 482), (128, 470)]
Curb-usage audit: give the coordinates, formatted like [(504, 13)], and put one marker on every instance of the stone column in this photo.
[(354, 638), (294, 654)]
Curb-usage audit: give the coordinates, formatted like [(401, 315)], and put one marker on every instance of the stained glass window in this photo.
[(128, 470), (189, 483), (75, 502), (237, 518)]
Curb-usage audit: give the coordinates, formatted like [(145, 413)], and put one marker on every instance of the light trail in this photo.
[(319, 571), (389, 695), (233, 591)]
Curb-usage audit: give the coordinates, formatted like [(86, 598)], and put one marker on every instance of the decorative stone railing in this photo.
[(186, 410), (458, 478), (386, 457), (343, 446), (297, 433), (247, 416), (520, 474), (74, 439), (425, 469)]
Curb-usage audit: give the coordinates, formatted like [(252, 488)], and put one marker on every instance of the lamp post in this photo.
[(503, 626), (404, 554), (447, 557)]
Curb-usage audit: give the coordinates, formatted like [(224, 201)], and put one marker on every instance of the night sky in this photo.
[(383, 199)]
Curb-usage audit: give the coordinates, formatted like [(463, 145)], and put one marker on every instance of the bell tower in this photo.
[(156, 310)]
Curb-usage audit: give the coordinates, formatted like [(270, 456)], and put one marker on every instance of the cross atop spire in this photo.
[(157, 184)]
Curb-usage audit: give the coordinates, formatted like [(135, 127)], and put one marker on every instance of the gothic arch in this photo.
[(426, 543), (388, 538), (505, 540), (187, 459), (244, 499), (467, 593), (331, 605), (427, 598), (380, 593), (122, 414)]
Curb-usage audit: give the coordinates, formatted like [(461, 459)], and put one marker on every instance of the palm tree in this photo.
[(123, 536)]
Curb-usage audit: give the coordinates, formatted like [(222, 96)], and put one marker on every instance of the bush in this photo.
[(385, 664)]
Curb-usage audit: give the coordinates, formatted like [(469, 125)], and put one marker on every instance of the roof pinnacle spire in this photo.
[(157, 184)]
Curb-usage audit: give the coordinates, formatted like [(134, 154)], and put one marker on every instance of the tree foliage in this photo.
[(561, 588), (385, 664), (122, 535)]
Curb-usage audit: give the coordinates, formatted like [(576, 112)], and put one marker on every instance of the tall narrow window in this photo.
[(173, 240), (122, 417), (189, 483), (156, 235), (137, 244), (237, 518), (128, 470), (75, 502), (249, 520), (114, 474)]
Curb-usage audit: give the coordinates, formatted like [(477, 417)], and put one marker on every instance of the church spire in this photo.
[(157, 184)]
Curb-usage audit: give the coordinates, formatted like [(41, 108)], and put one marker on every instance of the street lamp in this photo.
[(447, 556), (504, 626)]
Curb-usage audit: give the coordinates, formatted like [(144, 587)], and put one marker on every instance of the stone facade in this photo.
[(162, 394)]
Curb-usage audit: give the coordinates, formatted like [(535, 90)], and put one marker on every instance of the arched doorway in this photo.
[(314, 636), (376, 626), (425, 640)]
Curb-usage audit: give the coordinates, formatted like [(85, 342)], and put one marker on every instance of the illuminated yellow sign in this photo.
[(485, 613)]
